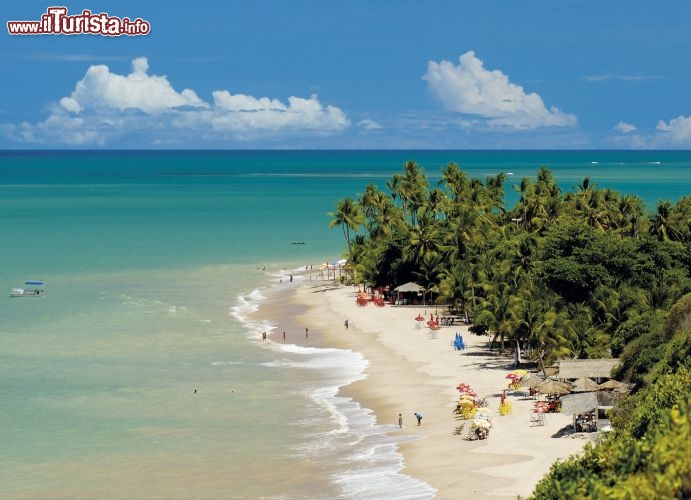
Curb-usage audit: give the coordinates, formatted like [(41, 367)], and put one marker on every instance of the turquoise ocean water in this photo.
[(152, 262)]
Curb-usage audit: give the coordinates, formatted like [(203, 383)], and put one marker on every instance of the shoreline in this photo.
[(409, 370)]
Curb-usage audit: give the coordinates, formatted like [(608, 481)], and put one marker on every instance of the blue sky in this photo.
[(354, 74)]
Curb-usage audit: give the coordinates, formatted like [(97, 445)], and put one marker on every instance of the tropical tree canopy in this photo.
[(578, 274)]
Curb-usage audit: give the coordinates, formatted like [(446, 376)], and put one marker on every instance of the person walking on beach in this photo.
[(284, 335), (400, 421), (307, 333), (418, 415), (346, 324)]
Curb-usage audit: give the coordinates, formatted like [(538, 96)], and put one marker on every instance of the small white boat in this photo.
[(31, 289)]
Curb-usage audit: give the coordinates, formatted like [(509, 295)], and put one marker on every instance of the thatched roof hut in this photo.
[(409, 287), (591, 368), (577, 404)]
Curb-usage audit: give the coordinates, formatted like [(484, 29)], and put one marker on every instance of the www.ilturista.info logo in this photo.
[(56, 22)]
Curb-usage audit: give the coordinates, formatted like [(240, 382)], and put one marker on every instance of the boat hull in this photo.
[(23, 292)]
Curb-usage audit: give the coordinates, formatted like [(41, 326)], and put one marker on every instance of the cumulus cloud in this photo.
[(138, 91), (236, 112), (105, 105), (624, 127), (469, 88), (368, 124), (677, 131), (673, 134)]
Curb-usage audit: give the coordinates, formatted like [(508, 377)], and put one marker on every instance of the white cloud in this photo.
[(677, 131), (625, 78), (240, 102), (106, 106), (469, 88), (673, 134), (137, 91), (242, 112), (368, 124), (625, 128), (70, 104)]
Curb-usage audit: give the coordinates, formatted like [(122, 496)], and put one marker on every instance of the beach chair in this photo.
[(537, 419)]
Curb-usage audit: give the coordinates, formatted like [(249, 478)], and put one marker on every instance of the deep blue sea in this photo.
[(153, 262)]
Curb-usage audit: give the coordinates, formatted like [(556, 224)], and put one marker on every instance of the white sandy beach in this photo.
[(409, 370)]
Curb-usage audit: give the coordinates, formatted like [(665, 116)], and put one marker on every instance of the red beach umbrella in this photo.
[(541, 406), (419, 318), (512, 376)]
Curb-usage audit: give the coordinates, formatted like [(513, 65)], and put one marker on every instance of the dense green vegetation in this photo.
[(586, 273), (649, 453), (576, 274)]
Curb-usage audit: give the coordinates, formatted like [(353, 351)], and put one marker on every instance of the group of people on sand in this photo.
[(307, 334), (417, 415)]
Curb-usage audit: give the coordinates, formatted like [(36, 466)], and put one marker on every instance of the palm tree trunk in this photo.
[(346, 233), (517, 354), (542, 362)]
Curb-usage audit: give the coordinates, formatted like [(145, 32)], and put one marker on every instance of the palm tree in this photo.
[(522, 255), (349, 216), (368, 202), (495, 191), (587, 338), (525, 189), (385, 218), (413, 189), (455, 181), (424, 242), (394, 186), (549, 340), (660, 225), (497, 313), (461, 231), (436, 203), (529, 318), (589, 202), (455, 286), (630, 210)]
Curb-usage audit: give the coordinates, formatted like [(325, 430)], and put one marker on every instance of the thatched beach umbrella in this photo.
[(531, 380), (585, 384), (550, 386), (610, 384)]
